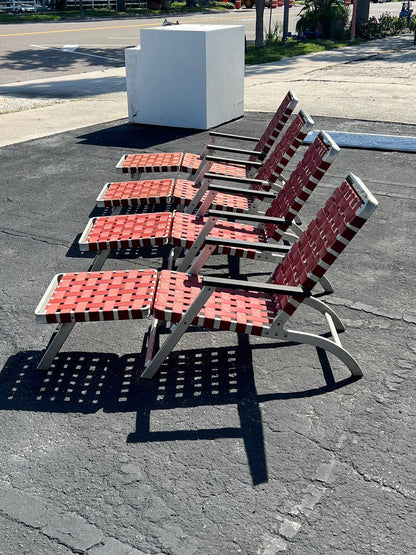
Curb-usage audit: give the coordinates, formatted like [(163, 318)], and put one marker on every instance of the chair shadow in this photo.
[(88, 382), (85, 383), (156, 256)]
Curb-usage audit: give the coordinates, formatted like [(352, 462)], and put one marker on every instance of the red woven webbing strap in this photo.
[(147, 162), (185, 190), (320, 244), (101, 296), (243, 312), (186, 228), (275, 126), (134, 193), (300, 185), (283, 151), (135, 230), (191, 163)]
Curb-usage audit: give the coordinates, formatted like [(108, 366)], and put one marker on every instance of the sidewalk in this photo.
[(373, 82)]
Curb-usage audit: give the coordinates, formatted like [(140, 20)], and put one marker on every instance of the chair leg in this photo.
[(151, 341), (153, 365), (325, 309), (328, 345), (99, 260), (197, 244), (55, 343), (326, 285), (173, 256)]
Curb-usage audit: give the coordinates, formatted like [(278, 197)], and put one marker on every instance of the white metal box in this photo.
[(188, 76)]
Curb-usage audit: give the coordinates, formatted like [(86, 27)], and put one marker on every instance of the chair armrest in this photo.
[(251, 245), (236, 150), (231, 136), (270, 288), (232, 161), (244, 180), (259, 218), (234, 190)]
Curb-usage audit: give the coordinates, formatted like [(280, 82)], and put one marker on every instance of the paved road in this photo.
[(35, 51), (42, 50)]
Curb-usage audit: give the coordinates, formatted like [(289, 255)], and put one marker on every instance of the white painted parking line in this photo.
[(87, 55), (70, 47), (369, 141)]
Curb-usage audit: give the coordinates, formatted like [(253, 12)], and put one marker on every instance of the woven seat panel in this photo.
[(229, 169), (191, 163), (135, 193), (186, 228), (320, 244), (185, 190), (147, 162), (101, 296), (136, 230), (241, 311)]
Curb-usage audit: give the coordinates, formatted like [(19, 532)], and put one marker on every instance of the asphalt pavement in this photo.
[(239, 445)]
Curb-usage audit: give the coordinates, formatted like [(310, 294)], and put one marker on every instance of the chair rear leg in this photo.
[(326, 285), (325, 309), (332, 346)]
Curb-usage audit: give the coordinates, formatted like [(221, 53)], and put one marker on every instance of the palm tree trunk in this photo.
[(259, 41)]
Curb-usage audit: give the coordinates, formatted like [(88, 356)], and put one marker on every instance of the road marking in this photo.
[(64, 49), (104, 28), (69, 47)]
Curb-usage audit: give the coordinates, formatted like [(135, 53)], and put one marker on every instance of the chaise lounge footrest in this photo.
[(98, 297)]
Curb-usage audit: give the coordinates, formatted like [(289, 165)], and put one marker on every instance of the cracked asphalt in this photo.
[(238, 445)]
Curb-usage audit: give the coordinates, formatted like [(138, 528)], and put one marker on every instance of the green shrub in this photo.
[(329, 16), (386, 25), (227, 5)]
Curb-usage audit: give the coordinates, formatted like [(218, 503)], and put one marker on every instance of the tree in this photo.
[(328, 17), (59, 5), (362, 10), (259, 41)]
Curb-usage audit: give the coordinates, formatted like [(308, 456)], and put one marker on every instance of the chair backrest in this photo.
[(345, 212), (302, 182), (276, 125), (286, 148)]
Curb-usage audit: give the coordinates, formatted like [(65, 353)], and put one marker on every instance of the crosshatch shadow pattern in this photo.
[(79, 382)]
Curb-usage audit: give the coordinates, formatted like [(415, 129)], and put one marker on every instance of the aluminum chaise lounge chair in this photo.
[(136, 164), (213, 303)]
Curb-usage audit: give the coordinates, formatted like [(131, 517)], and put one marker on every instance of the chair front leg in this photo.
[(197, 244), (55, 343), (98, 261), (153, 365)]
